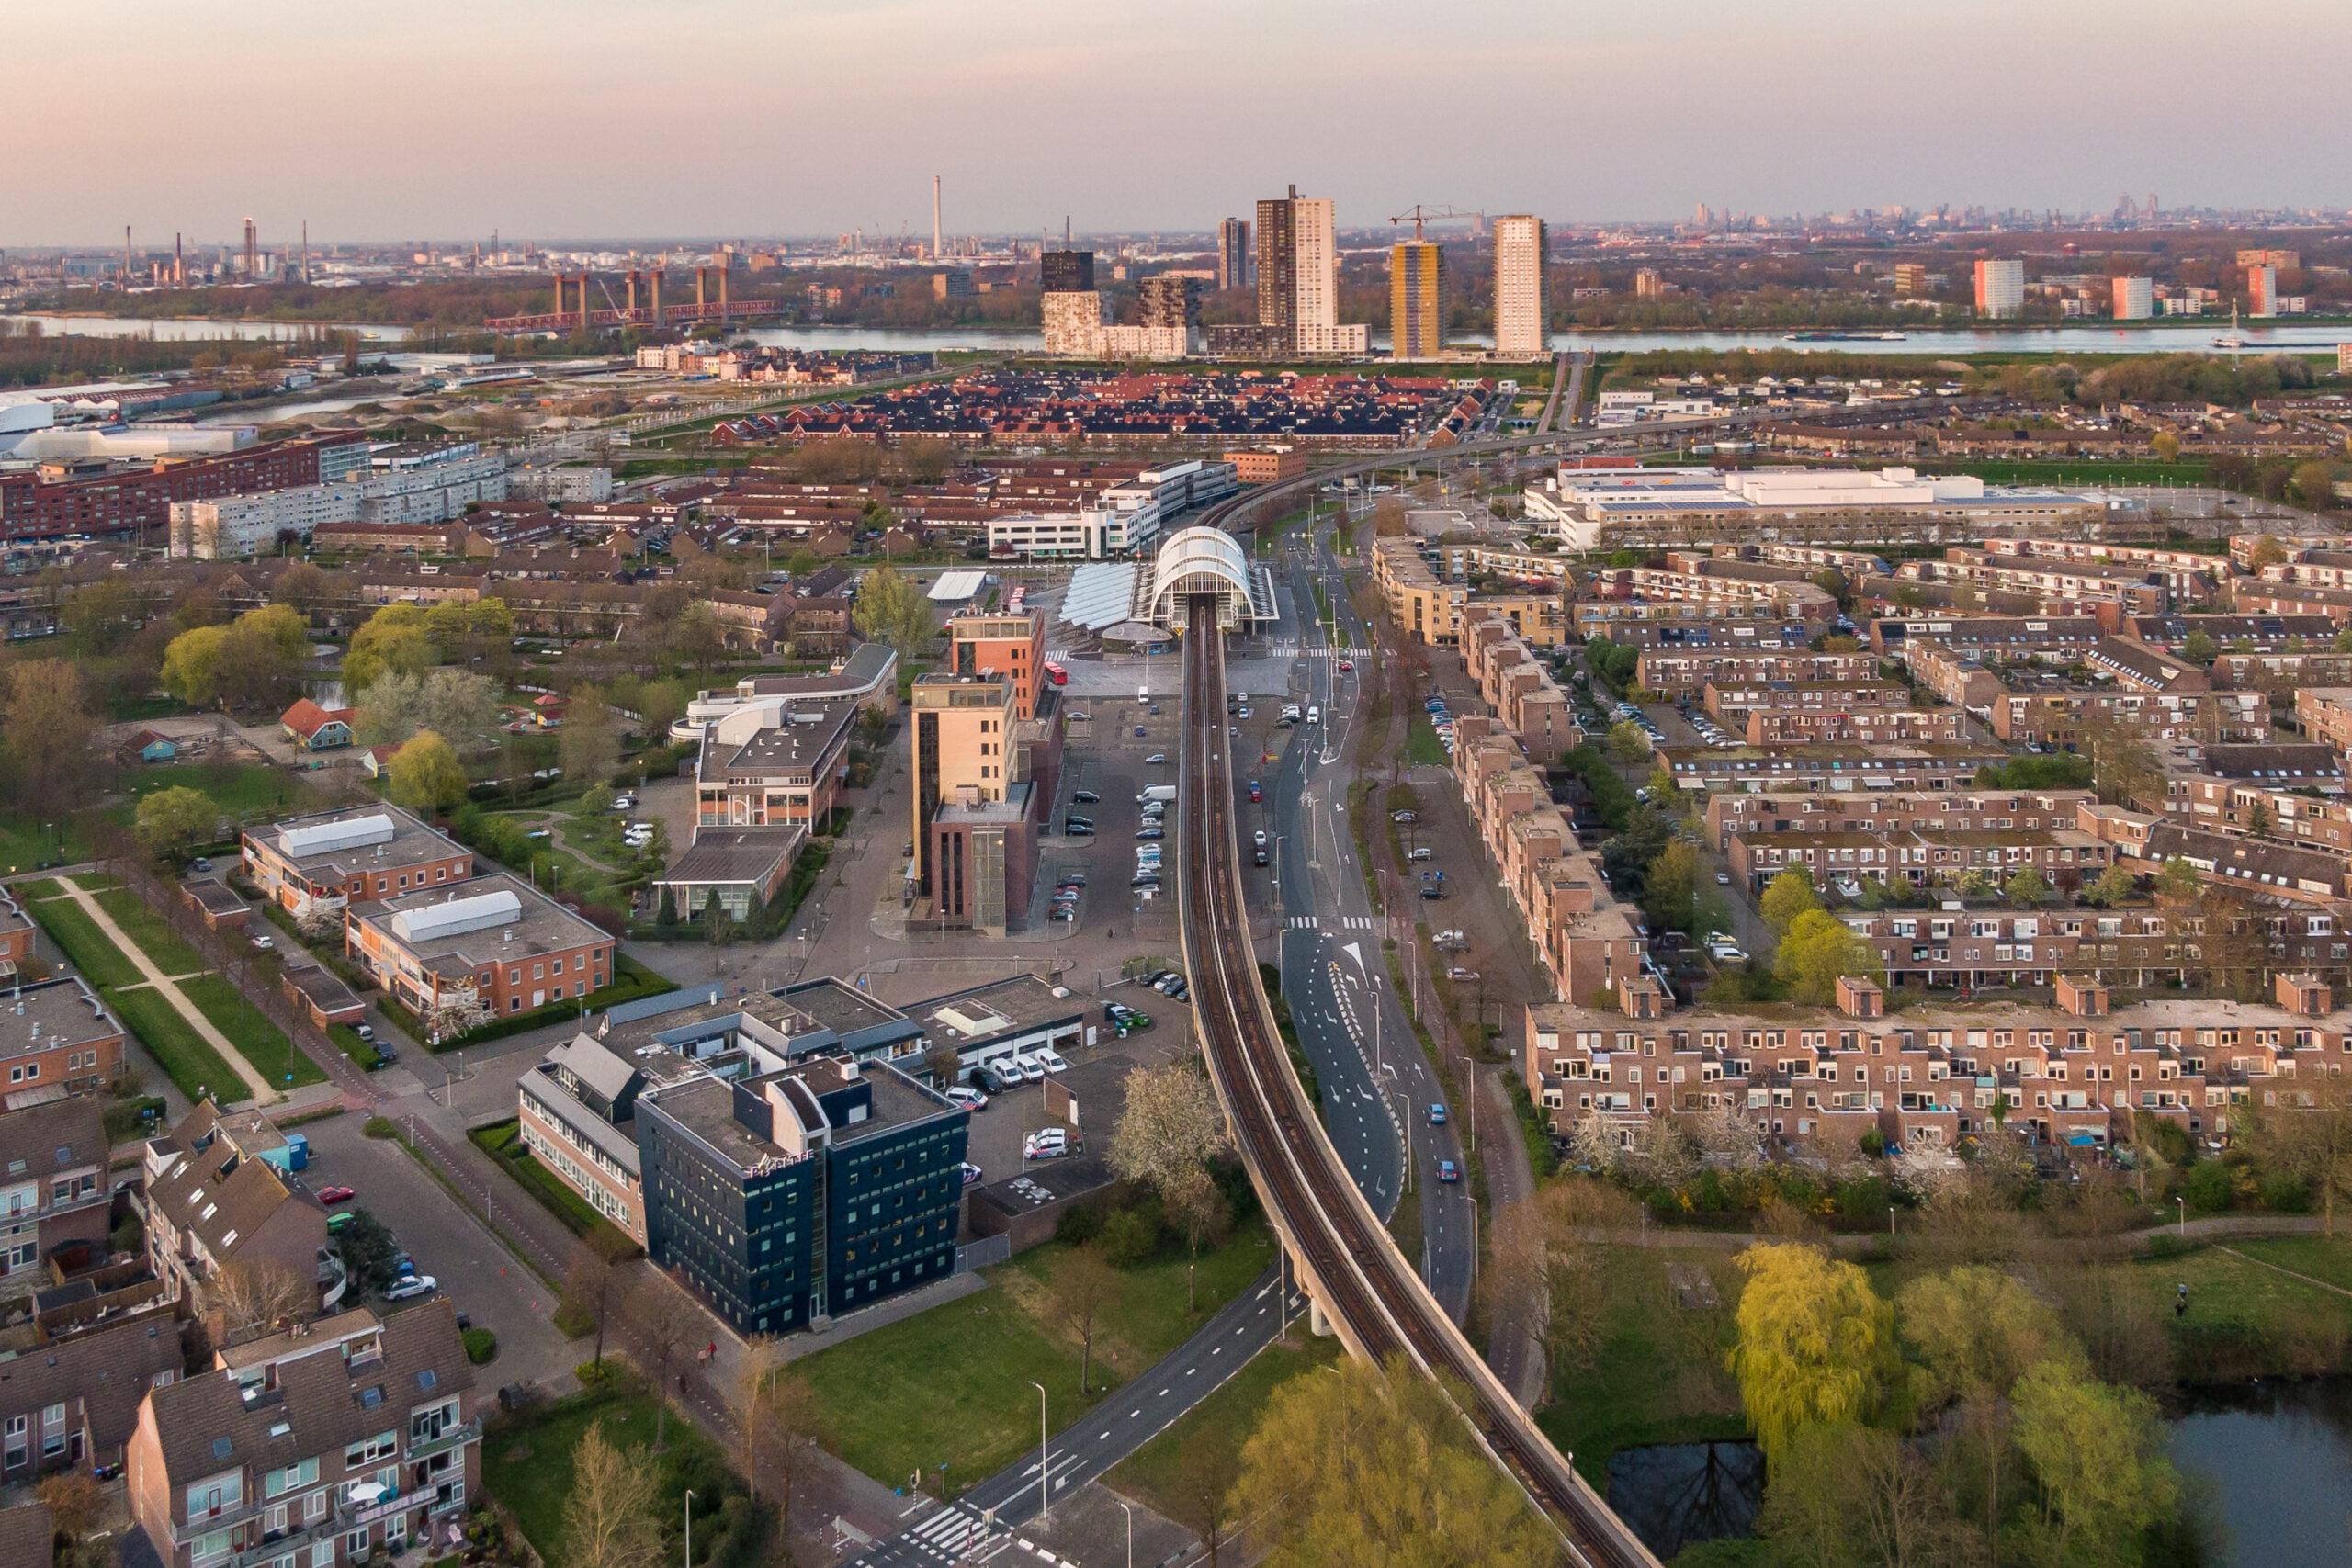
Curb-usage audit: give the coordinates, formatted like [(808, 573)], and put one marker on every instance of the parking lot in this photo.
[(998, 1130)]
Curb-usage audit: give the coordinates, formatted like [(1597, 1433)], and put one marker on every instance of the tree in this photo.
[(1671, 891), (425, 774), (2267, 551), (304, 587), (457, 628), (1727, 1136), (588, 1284), (173, 822), (366, 1250), (101, 615), (1080, 1291), (253, 1299), (1372, 1467), (391, 640), (248, 664), (1847, 1496), (2167, 446), (771, 1409), (1817, 950), (457, 704), (696, 638), (1171, 1126), (663, 1330), (2257, 820), (891, 608), (608, 1519), (2198, 648), (457, 1013), (192, 664), (2124, 769), (2026, 886), (1207, 1468), (2097, 1454), (589, 743), (76, 1506), (2178, 879), (2302, 1131), (1627, 744), (2114, 885), (1815, 1345), (1785, 897), (46, 733), (1195, 1205)]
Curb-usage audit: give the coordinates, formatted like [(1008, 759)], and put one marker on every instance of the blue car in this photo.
[(1448, 1171), (1437, 1115)]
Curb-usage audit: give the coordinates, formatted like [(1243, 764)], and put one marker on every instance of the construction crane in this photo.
[(1421, 213)]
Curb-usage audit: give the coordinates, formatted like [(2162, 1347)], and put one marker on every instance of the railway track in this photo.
[(1353, 1271)]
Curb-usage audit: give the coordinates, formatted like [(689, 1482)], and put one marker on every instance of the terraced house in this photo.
[(347, 1440), (2068, 1072)]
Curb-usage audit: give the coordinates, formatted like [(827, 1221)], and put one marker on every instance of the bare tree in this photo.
[(2304, 1130), (1196, 1204), (772, 1408), (608, 1519), (1081, 1292), (253, 1298), (654, 1313), (588, 1285), (1206, 1466)]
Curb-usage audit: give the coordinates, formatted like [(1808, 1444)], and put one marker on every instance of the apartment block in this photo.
[(75, 1380), (1731, 701), (1774, 727), (1674, 628), (1830, 768), (2000, 288), (1523, 291), (1415, 300), (1010, 646), (495, 942), (1519, 686), (1758, 816), (1682, 671), (1427, 608), (1918, 857), (1924, 1079), (56, 1038), (213, 1200), (335, 858), (2187, 574), (1979, 636), (983, 781), (347, 1440), (57, 1196)]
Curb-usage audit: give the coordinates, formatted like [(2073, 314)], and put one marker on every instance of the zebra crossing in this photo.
[(1316, 923), (944, 1536), (1293, 648)]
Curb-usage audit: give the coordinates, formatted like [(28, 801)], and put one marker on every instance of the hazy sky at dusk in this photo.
[(548, 118)]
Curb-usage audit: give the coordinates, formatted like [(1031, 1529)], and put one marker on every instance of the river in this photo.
[(2085, 339), (2273, 1460)]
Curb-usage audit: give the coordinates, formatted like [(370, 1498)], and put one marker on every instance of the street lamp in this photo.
[(689, 1558), (1044, 1499), (2184, 1215), (1128, 1509)]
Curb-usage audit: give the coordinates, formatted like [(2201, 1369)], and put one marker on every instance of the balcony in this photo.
[(455, 1437)]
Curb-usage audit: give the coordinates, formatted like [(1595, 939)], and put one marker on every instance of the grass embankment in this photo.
[(1422, 748), (951, 1385), (260, 1042), (527, 1461), (184, 1055), (1226, 1417)]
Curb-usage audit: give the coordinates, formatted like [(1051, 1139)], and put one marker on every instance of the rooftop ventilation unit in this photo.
[(351, 833), (481, 912)]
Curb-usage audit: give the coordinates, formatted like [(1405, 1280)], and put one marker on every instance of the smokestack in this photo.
[(1065, 231), (935, 252), (306, 250), (657, 296)]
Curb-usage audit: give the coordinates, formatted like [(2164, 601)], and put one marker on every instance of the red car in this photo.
[(336, 1194), (1255, 796), (1347, 666)]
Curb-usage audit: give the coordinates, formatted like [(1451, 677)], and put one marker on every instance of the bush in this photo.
[(593, 1373), (2209, 1186), (481, 1345), (1132, 1236), (380, 1127), (2284, 1194), (1080, 1225)]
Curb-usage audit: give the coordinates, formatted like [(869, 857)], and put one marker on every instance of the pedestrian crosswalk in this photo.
[(1291, 648), (1317, 922)]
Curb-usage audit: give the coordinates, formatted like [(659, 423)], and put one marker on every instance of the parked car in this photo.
[(1458, 973), (1255, 795), (1420, 852), (336, 1194), (1066, 914), (265, 942), (1432, 892), (965, 1095), (1084, 798), (1048, 1143), (1260, 837), (410, 1285), (1402, 817), (1156, 759), (1151, 832), (1723, 879)]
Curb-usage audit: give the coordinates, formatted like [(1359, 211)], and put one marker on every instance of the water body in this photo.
[(2277, 1460), (178, 328), (1676, 1494), (2085, 339)]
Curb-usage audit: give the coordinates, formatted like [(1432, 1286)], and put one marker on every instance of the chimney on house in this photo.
[(1639, 996)]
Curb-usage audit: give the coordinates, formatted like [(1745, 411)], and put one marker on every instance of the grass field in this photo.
[(25, 844), (181, 1052), (1227, 1416), (527, 1463), (145, 927), (260, 1042), (242, 790), (2084, 470), (100, 961), (2313, 1255), (951, 1385), (1658, 1376), (1422, 748)]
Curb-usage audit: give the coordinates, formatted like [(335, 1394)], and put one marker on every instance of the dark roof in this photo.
[(108, 1367), (324, 1401), (63, 1135), (27, 1536)]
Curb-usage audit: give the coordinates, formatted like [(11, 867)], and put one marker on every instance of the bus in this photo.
[(1056, 673)]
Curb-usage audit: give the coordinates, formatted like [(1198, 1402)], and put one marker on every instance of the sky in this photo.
[(571, 119)]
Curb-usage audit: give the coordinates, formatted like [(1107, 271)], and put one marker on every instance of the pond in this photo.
[(2276, 1457), (1676, 1494)]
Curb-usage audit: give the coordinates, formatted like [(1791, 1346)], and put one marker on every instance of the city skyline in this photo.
[(1649, 113)]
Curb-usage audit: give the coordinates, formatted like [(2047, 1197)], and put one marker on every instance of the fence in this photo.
[(986, 1252)]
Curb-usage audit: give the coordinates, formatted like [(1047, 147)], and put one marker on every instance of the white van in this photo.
[(1314, 714)]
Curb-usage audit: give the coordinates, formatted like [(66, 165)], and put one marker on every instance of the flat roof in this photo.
[(37, 1017), (736, 854), (1010, 1005), (840, 1006), (542, 925), (408, 842)]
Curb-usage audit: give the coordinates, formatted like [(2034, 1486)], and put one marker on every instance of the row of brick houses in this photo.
[(2075, 1069), (1518, 686), (1586, 940)]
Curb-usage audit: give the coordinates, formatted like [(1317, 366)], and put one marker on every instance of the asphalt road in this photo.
[(994, 1517)]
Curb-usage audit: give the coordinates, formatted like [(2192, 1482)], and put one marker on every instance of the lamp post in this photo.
[(1128, 1509), (2183, 1202), (1044, 1499), (689, 1559)]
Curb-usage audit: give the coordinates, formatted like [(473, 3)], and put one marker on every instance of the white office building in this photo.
[(1522, 297), (406, 486), (2135, 298)]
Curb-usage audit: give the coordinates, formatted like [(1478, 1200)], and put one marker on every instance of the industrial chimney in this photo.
[(936, 254)]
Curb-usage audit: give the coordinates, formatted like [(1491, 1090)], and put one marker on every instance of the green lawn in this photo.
[(1659, 1375), (951, 1385), (241, 790), (148, 929), (2230, 1293), (85, 946), (2313, 1255), (526, 1463), (2082, 470), (260, 1042), (25, 844), (1229, 1416), (1422, 748), (183, 1053)]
